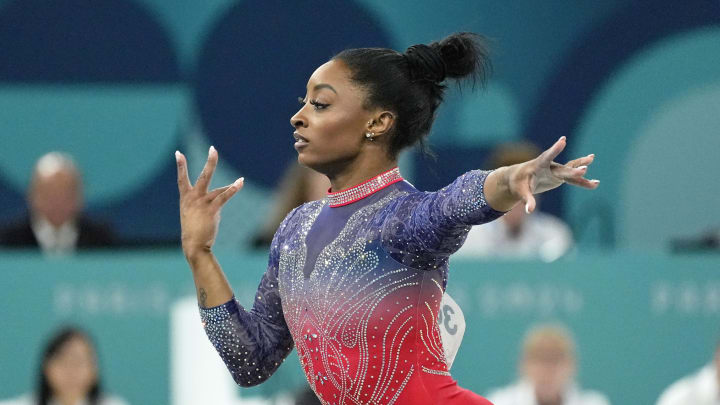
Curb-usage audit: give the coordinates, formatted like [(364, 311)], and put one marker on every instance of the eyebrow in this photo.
[(324, 86)]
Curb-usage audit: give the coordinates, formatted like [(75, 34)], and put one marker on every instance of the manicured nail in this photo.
[(595, 181), (177, 155), (583, 167), (527, 208), (212, 149), (561, 138), (238, 182), (591, 155)]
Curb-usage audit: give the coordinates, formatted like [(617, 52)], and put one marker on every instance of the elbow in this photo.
[(249, 380)]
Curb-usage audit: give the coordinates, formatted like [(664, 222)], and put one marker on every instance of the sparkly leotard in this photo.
[(354, 283)]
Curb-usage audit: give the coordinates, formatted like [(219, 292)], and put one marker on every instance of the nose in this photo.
[(297, 120)]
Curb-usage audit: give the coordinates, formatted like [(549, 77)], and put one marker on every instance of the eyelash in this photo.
[(317, 106)]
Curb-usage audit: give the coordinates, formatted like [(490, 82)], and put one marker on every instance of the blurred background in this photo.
[(118, 85)]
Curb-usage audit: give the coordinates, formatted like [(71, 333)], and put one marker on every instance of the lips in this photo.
[(299, 138), (300, 141)]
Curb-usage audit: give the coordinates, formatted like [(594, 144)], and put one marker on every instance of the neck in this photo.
[(557, 401), (356, 173), (69, 399)]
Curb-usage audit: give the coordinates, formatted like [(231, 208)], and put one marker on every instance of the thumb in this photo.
[(221, 199)]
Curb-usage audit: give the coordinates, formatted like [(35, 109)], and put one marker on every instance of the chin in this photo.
[(303, 160)]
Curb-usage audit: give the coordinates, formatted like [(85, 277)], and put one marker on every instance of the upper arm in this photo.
[(427, 228)]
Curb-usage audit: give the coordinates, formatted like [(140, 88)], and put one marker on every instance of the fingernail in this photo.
[(238, 182), (583, 167), (561, 138), (212, 149), (527, 208), (591, 155), (595, 181), (177, 155)]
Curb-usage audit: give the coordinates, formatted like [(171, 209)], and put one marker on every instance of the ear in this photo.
[(381, 123)]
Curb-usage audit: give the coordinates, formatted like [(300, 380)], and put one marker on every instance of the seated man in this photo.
[(547, 371), (55, 201), (517, 234), (700, 388)]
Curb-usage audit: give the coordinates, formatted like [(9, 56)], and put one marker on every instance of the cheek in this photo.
[(57, 377), (337, 136), (338, 130)]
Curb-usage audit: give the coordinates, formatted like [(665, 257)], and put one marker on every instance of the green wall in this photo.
[(640, 321)]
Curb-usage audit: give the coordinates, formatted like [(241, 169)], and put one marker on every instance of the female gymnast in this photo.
[(354, 281)]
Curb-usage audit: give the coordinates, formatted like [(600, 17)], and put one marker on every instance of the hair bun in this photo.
[(425, 64), (456, 56), (466, 54)]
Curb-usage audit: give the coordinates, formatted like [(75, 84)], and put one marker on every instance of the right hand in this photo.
[(200, 208)]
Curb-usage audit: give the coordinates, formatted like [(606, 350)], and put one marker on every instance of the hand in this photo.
[(200, 209), (542, 174)]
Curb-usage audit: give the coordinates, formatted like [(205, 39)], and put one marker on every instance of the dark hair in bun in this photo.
[(412, 84)]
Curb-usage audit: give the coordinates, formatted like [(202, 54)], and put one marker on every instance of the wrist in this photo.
[(498, 192), (194, 254), (503, 179)]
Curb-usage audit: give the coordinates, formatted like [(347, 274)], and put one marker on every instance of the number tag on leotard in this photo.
[(452, 327)]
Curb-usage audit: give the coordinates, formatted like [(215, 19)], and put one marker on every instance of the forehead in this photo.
[(58, 179), (334, 73), (75, 345)]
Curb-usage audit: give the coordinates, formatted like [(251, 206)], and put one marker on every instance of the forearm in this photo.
[(497, 190), (253, 343), (211, 285)]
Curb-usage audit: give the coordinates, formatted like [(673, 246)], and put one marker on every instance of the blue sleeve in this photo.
[(252, 343), (424, 229)]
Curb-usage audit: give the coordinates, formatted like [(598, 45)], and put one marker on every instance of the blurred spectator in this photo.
[(298, 185), (548, 368), (54, 221), (699, 388), (517, 234), (706, 241), (68, 374)]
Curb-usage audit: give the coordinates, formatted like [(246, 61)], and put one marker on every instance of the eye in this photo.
[(319, 106), (316, 105)]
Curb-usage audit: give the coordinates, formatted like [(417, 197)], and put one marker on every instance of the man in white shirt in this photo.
[(547, 369), (55, 201), (520, 236), (699, 388), (517, 234)]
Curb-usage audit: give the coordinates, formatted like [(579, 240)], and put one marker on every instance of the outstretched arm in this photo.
[(425, 228), (509, 185), (251, 343)]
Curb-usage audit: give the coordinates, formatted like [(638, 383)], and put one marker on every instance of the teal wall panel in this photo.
[(640, 321)]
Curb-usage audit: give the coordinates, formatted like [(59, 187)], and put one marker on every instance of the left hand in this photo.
[(542, 174)]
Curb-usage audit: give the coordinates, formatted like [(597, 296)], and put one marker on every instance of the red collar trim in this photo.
[(364, 189)]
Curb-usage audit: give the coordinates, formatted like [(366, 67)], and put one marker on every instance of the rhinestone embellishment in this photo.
[(364, 189)]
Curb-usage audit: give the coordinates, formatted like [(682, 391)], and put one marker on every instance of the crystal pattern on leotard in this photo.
[(364, 319)]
